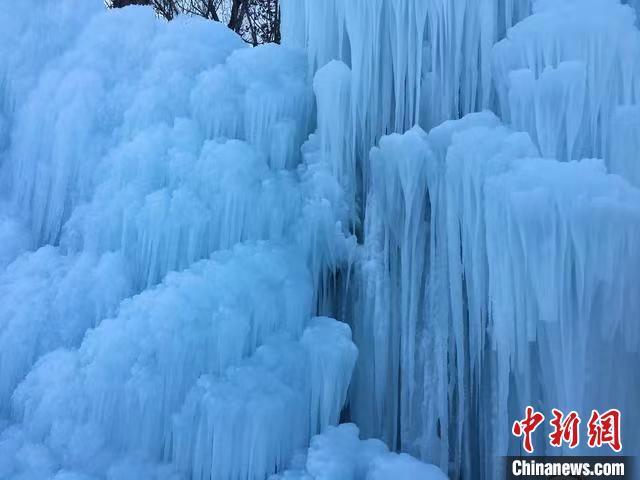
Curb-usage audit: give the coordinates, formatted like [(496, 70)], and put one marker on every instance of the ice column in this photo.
[(393, 280)]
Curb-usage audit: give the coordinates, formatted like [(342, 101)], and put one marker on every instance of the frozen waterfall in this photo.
[(355, 256)]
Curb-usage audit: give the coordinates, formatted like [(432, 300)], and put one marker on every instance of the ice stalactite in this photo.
[(425, 309), (175, 228), (210, 195), (20, 67), (411, 61), (478, 148), (332, 88), (394, 282), (409, 319), (562, 73), (212, 88), (53, 174), (298, 381)]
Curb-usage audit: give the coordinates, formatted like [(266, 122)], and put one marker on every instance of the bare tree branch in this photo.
[(256, 21)]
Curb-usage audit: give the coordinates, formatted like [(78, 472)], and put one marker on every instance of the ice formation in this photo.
[(158, 229), (340, 454), (554, 80), (50, 301), (180, 216), (444, 318), (441, 294), (306, 383)]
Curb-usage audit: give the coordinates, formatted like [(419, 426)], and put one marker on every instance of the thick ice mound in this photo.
[(339, 454)]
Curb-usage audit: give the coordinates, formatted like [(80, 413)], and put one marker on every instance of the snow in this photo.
[(415, 216)]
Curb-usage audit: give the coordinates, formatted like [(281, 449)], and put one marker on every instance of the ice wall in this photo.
[(164, 228), (492, 293), (441, 373)]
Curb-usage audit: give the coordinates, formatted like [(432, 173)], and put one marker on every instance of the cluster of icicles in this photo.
[(182, 218), (498, 268)]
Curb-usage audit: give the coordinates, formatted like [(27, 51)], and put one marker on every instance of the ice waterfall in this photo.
[(181, 215)]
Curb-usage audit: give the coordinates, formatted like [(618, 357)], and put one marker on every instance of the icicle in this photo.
[(133, 371), (599, 34), (193, 199), (332, 86), (624, 143), (304, 383), (259, 95), (399, 196), (409, 51)]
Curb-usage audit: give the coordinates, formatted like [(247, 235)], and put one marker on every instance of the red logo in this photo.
[(527, 426), (565, 429), (603, 429)]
